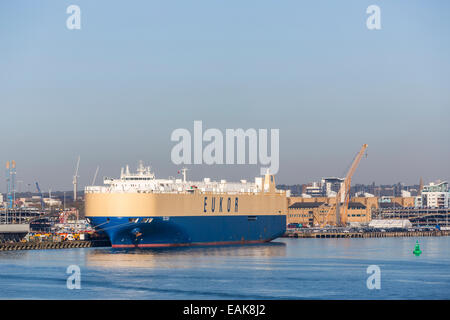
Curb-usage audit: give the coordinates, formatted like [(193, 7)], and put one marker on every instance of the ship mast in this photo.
[(184, 170)]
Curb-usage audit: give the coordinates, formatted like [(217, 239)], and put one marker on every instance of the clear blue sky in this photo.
[(114, 91)]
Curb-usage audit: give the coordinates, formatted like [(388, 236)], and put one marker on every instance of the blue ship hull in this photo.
[(130, 232)]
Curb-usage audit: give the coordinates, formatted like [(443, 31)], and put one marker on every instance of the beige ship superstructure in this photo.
[(145, 195)]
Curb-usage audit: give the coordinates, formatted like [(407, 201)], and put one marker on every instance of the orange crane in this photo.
[(344, 190)]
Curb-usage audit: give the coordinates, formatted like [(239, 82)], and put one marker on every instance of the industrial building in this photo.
[(305, 213), (309, 211), (336, 208), (314, 211), (389, 202)]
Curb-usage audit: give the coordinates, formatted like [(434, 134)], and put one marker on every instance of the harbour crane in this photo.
[(75, 180), (11, 184), (344, 192), (95, 175), (40, 194)]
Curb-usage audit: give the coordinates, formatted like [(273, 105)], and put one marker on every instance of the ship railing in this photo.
[(96, 189), (101, 189)]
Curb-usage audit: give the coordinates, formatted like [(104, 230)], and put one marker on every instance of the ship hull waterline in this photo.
[(177, 231)]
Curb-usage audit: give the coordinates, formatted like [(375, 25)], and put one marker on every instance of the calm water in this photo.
[(285, 269)]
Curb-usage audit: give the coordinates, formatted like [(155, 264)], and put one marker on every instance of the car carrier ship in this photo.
[(139, 210)]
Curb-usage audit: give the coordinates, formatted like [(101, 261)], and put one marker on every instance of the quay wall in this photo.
[(35, 245), (298, 234)]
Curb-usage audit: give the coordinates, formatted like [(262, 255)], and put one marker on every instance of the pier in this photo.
[(43, 245), (377, 234)]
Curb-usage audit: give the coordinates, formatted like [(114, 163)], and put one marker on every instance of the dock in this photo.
[(387, 234), (13, 232), (44, 245)]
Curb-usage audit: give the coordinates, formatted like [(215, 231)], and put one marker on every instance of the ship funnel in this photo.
[(269, 182)]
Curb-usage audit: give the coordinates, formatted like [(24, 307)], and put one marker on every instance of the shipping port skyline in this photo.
[(25, 182), (435, 195), (225, 150)]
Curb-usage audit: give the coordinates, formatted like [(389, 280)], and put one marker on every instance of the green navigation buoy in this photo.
[(417, 250)]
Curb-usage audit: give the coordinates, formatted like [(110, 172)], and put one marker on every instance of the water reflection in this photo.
[(181, 257)]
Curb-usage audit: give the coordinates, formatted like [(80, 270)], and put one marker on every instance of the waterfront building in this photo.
[(311, 211), (434, 195), (331, 186), (388, 202), (314, 190), (306, 213), (327, 187), (405, 193), (364, 194), (358, 212)]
